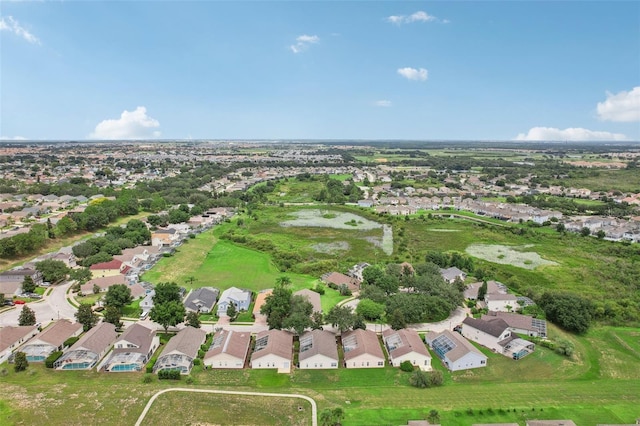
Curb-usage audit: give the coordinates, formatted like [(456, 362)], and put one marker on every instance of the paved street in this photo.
[(48, 309)]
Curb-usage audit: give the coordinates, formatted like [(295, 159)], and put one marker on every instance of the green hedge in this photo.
[(48, 362), (70, 341), (169, 375)]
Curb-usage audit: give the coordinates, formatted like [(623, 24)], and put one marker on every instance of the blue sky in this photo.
[(320, 70)]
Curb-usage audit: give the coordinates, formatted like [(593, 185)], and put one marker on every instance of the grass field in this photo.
[(625, 180), (601, 384)]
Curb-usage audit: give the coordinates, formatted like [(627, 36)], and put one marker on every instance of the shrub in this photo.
[(70, 341), (148, 378), (319, 288), (150, 365), (406, 366), (201, 353), (4, 372), (436, 378), (419, 379), (565, 347), (169, 375), (189, 380), (48, 362), (197, 361)]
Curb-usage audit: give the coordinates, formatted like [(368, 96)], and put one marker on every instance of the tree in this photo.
[(27, 316), (96, 289), (560, 227), (28, 285), (433, 416), (277, 307), (317, 321), (436, 378), (52, 270), (81, 275), (419, 379), (370, 310), (341, 317), (283, 281), (585, 232), (167, 314), (118, 296), (193, 319), (112, 315), (482, 291), (232, 311), (601, 234), (396, 319), (299, 317), (86, 316), (166, 292), (20, 362), (569, 311), (565, 347)]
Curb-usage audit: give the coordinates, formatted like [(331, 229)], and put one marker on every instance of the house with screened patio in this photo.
[(455, 351), (133, 349), (318, 350), (406, 345), (50, 340), (228, 349), (89, 349), (273, 349), (362, 349), (181, 350)]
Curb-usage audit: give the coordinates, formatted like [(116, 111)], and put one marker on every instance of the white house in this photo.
[(240, 298), (406, 345), (50, 340), (496, 335), (90, 349), (521, 324), (318, 350), (228, 349), (133, 349), (362, 349), (181, 350), (501, 302), (273, 349), (455, 351), (12, 337)]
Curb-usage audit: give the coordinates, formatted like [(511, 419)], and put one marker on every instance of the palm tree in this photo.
[(283, 280)]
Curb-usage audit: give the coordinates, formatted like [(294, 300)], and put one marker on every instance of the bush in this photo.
[(419, 379), (406, 366), (319, 288), (148, 378), (169, 374), (189, 380), (197, 361), (51, 359), (565, 347), (70, 341), (201, 353), (150, 365)]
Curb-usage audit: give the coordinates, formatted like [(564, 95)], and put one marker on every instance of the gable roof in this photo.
[(234, 343), (60, 331), (202, 297), (402, 342), (494, 327), (450, 274), (359, 342), (112, 264), (140, 336), (10, 335), (318, 342), (276, 342), (500, 296), (338, 279), (97, 339), (461, 346), (187, 342), (261, 298)]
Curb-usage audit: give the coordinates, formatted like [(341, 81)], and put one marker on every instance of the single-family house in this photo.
[(228, 349), (406, 345), (11, 288), (181, 350), (133, 349), (107, 269), (146, 304), (455, 351), (240, 298), (471, 292), (318, 350), (312, 297), (91, 348), (261, 299), (362, 349), (501, 302), (273, 349), (18, 275), (103, 283), (50, 340), (164, 237), (521, 324), (12, 337), (338, 279), (496, 335), (452, 274), (201, 299)]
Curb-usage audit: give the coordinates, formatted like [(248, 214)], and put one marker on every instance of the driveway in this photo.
[(51, 308)]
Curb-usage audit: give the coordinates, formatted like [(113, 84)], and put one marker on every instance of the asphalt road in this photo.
[(50, 308)]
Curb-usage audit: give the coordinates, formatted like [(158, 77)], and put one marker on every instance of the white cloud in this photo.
[(623, 106), (419, 16), (382, 103), (303, 42), (569, 134), (13, 26), (15, 138), (131, 125), (409, 73)]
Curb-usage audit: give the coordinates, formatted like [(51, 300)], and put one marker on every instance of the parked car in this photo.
[(19, 302), (8, 302)]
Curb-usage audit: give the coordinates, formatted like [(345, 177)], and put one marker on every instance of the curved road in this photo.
[(50, 308), (314, 407)]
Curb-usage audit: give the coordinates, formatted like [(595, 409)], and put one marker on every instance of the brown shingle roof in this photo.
[(407, 341), (279, 343), (231, 342), (10, 335), (494, 327), (322, 342), (524, 322), (60, 331), (97, 339), (140, 336), (312, 297), (366, 341), (186, 342)]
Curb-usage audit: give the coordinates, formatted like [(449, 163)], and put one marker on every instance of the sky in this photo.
[(445, 70)]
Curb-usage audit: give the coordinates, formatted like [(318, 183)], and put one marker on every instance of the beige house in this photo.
[(496, 335), (107, 269), (261, 299), (318, 350), (406, 345), (133, 349), (273, 349), (362, 349), (50, 340), (181, 350), (312, 297), (12, 337), (501, 302), (455, 351), (228, 350)]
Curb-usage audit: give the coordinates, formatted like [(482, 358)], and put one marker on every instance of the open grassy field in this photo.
[(601, 384), (203, 408), (625, 180)]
